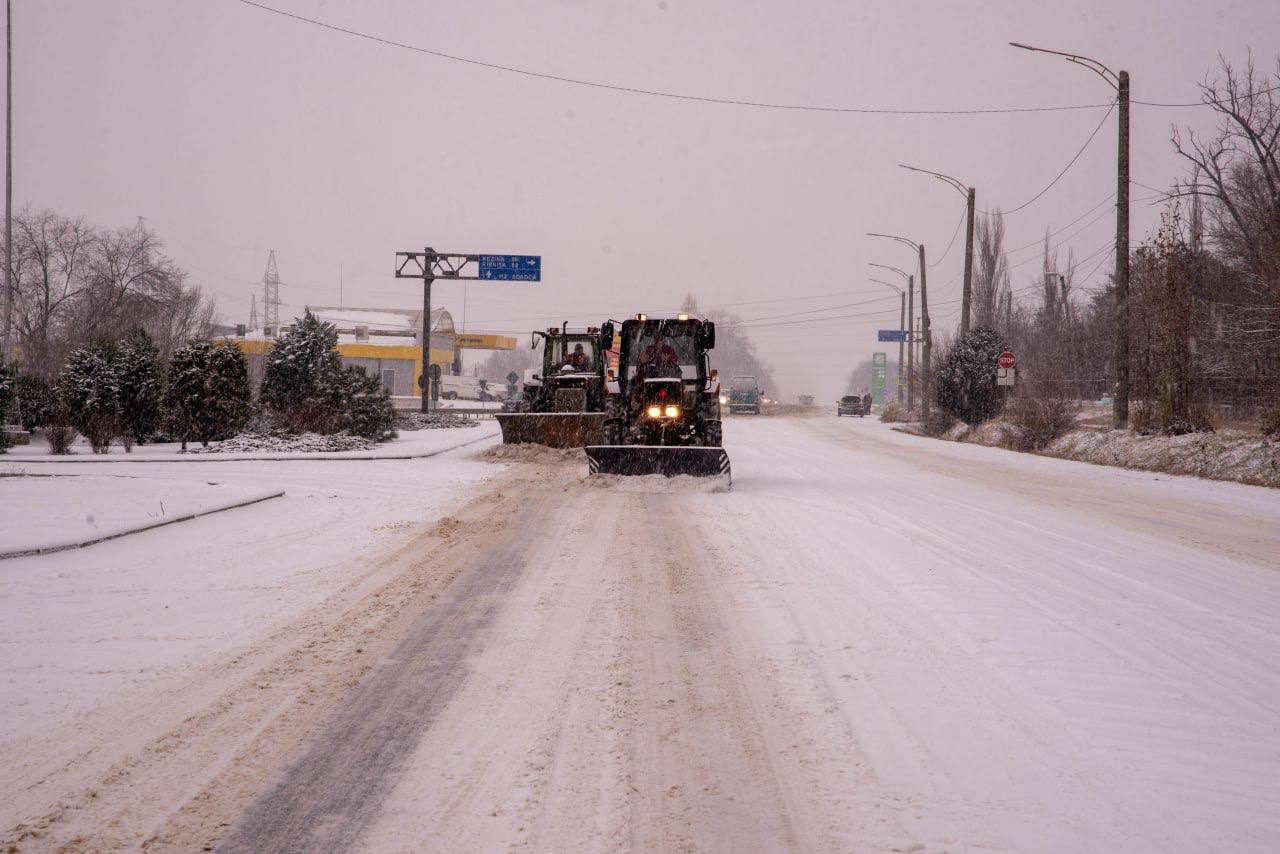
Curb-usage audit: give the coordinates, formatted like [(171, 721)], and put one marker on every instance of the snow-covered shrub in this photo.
[(1038, 421), (966, 379), (891, 413), (89, 388), (208, 392), (432, 421), (59, 434), (1271, 422), (37, 401), (140, 388), (367, 407)]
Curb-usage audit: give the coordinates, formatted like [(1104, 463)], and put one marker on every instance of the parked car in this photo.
[(851, 404)]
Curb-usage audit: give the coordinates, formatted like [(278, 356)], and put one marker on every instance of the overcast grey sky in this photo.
[(234, 130)]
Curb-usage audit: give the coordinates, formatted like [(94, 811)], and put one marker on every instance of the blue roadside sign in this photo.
[(893, 335), (512, 268)]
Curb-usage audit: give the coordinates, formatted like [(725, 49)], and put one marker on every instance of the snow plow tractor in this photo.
[(563, 405), (662, 410)]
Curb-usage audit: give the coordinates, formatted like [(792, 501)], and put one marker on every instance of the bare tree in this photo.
[(75, 284), (991, 273), (1237, 175), (50, 257)]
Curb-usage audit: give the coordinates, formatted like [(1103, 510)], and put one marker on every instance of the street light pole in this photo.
[(966, 297), (8, 187), (928, 337), (902, 329), (1119, 82)]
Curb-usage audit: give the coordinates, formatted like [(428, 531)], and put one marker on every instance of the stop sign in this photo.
[(1006, 360)]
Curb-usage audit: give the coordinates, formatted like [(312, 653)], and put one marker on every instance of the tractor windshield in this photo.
[(663, 349), (579, 354)]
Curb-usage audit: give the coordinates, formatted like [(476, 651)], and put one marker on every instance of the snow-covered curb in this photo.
[(389, 454), (1236, 457), (137, 529)]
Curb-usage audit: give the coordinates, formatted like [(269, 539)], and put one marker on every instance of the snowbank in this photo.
[(1228, 455), (432, 421), (530, 453), (1242, 457), (300, 443)]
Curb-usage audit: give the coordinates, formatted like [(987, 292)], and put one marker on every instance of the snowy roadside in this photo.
[(48, 513), (410, 444), (1229, 455)]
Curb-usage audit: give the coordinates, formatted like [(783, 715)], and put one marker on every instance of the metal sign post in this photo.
[(430, 265), (1006, 368)]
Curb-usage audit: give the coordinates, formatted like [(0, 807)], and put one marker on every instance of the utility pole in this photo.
[(928, 339), (911, 345), (1120, 408), (902, 327), (1119, 82), (967, 296), (8, 186)]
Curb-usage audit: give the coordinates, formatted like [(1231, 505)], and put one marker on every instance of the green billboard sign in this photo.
[(879, 362)]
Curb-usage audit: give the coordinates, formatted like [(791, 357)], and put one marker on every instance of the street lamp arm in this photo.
[(1092, 64), (890, 284), (946, 179), (904, 240), (903, 273)]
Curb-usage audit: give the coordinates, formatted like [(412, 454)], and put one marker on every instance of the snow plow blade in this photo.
[(554, 429), (666, 460)]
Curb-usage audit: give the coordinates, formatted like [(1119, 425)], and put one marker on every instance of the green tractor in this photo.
[(662, 411), (563, 405)]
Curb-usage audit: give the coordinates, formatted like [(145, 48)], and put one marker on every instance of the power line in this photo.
[(678, 96), (1065, 169), (964, 213), (815, 310)]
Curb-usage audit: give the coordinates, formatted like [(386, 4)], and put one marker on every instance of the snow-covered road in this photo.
[(874, 642)]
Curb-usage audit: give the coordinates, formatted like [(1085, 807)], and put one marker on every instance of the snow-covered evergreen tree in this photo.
[(300, 387), (367, 407), (230, 399), (89, 387), (186, 392), (140, 387), (207, 397), (966, 379)]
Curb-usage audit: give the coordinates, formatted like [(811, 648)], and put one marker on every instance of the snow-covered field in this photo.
[(873, 642)]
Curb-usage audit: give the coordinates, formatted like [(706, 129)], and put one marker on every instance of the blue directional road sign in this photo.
[(893, 335), (513, 268)]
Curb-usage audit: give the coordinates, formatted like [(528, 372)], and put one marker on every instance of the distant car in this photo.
[(850, 404)]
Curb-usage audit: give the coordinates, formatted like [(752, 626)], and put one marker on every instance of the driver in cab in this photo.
[(659, 359)]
